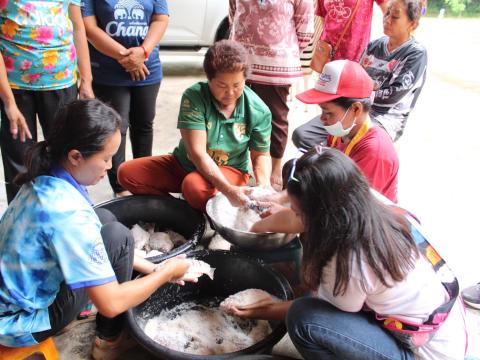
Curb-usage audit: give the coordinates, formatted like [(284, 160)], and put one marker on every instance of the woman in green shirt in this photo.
[(224, 125)]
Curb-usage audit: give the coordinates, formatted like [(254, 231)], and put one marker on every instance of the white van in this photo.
[(196, 23)]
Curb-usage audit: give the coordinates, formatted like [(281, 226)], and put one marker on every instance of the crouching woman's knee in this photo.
[(119, 244), (305, 320), (299, 316)]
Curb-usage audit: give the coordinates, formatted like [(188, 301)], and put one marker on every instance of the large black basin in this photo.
[(166, 212), (234, 272)]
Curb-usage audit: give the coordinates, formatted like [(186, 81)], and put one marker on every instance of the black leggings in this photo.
[(45, 104), (69, 303), (136, 105)]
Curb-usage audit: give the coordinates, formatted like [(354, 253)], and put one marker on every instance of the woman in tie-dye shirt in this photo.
[(40, 41), (55, 252)]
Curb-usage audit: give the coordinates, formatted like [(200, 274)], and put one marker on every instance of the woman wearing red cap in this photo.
[(343, 92)]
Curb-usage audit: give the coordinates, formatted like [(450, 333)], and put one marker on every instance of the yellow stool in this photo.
[(46, 348)]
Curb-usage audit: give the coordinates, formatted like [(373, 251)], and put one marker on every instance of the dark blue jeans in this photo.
[(320, 331)]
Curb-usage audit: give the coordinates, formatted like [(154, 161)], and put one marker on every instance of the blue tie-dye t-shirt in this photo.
[(49, 234)]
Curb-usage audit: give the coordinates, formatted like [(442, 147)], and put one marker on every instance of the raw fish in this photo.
[(247, 299)]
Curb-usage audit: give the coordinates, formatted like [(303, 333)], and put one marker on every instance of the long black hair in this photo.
[(83, 125), (343, 218)]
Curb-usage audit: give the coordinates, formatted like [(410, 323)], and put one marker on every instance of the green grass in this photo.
[(433, 11)]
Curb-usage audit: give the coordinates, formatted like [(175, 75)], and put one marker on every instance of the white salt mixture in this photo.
[(238, 218), (233, 217), (204, 330), (219, 243)]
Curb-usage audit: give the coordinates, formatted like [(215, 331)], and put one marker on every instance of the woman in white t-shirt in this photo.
[(359, 254)]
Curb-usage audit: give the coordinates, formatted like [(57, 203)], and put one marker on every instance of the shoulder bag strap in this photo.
[(439, 315), (347, 26)]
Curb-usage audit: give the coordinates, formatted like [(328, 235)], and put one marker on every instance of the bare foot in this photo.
[(276, 182), (276, 176), (123, 193)]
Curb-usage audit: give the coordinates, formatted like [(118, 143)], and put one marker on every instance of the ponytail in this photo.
[(38, 161)]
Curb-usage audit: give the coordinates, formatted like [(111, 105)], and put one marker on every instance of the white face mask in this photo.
[(337, 128)]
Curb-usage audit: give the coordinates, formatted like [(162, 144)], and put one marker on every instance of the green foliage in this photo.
[(467, 8), (457, 6)]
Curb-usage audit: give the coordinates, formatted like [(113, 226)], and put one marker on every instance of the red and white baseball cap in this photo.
[(340, 78)]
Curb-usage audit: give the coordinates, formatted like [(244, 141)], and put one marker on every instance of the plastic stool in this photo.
[(290, 252), (46, 348)]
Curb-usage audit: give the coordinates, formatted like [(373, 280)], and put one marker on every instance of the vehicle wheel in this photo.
[(223, 31)]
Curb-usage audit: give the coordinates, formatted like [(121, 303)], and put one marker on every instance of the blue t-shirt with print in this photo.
[(49, 234), (127, 22)]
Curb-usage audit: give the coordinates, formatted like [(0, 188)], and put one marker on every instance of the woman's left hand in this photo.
[(133, 58), (248, 313), (86, 91), (140, 74)]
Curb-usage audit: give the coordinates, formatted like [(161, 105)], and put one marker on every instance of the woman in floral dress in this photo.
[(40, 42)]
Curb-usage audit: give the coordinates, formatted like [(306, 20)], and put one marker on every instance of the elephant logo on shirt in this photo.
[(120, 14), (137, 13), (219, 156), (128, 9)]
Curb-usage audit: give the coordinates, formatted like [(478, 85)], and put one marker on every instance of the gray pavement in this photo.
[(439, 155)]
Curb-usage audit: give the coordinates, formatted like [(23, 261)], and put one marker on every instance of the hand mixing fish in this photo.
[(196, 269)]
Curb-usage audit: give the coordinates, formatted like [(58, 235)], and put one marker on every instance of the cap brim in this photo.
[(313, 96)]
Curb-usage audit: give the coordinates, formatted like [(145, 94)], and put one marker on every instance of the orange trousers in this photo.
[(160, 175)]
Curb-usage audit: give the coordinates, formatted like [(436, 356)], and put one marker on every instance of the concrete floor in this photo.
[(439, 173)]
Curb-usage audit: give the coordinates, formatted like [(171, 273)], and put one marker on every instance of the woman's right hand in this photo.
[(237, 195), (18, 125), (175, 267), (132, 58)]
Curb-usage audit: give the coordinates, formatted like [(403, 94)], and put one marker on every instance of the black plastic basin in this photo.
[(234, 272), (166, 212)]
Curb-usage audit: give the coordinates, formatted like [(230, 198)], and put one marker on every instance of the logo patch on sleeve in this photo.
[(98, 254)]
